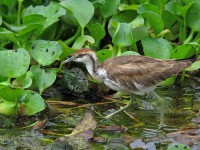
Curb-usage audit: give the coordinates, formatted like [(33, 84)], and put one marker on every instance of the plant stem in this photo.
[(119, 51), (19, 11), (189, 37), (162, 33), (82, 31), (73, 38), (183, 76)]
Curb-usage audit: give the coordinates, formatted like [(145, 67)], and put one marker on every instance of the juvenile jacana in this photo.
[(130, 74)]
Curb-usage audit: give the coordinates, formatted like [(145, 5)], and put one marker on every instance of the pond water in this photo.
[(182, 105)]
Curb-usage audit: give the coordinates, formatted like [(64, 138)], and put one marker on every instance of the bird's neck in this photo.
[(92, 65)]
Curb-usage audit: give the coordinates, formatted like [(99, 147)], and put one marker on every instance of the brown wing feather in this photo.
[(126, 70)]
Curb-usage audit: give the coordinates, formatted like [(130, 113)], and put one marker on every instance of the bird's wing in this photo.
[(141, 70)]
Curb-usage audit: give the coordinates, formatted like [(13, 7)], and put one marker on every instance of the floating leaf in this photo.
[(85, 128), (123, 35), (82, 10), (157, 48), (14, 63), (194, 66), (45, 52), (43, 77), (32, 104), (109, 8)]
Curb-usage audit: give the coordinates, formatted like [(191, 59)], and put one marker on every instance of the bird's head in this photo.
[(83, 55)]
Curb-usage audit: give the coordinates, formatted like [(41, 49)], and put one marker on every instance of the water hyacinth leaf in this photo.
[(168, 18), (32, 104), (97, 3), (45, 52), (34, 18), (148, 7), (168, 82), (127, 53), (194, 66), (0, 20), (137, 22), (8, 35), (52, 12), (126, 16), (82, 41), (109, 8), (185, 50), (66, 50), (193, 16), (43, 77), (123, 7), (139, 33), (104, 54), (157, 48), (97, 31), (154, 20), (174, 8), (7, 107), (11, 94), (123, 35), (22, 82), (82, 10), (14, 63)]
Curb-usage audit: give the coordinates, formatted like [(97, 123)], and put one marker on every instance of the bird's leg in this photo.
[(162, 109), (121, 109)]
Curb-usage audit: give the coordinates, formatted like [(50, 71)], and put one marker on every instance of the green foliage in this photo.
[(36, 36)]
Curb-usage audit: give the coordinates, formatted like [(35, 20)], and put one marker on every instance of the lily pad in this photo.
[(43, 77), (45, 52), (14, 63)]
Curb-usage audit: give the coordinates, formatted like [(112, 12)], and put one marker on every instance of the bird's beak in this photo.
[(70, 58)]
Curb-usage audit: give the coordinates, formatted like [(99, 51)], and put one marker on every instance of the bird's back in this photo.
[(135, 73)]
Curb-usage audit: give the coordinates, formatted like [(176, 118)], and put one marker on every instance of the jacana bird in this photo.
[(132, 74)]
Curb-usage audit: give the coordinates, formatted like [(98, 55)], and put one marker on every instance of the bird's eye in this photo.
[(80, 56)]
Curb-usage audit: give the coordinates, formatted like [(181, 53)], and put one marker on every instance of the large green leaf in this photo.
[(185, 50), (157, 48), (82, 10), (52, 12), (109, 8), (97, 31), (8, 35), (11, 94), (32, 104), (45, 52), (148, 7), (43, 77), (82, 41), (7, 107), (123, 35), (154, 20), (14, 63), (193, 16), (104, 54)]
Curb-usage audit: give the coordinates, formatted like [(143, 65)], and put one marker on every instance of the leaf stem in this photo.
[(82, 31), (119, 52), (73, 38), (19, 11), (183, 76), (189, 37)]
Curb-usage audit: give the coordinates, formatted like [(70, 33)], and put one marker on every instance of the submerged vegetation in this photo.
[(36, 36)]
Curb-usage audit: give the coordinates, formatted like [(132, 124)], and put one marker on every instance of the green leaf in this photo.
[(22, 82), (0, 20), (168, 82), (82, 41), (45, 52), (139, 33), (127, 53), (148, 7), (32, 104), (66, 50), (14, 63), (11, 94), (82, 10), (123, 35), (51, 12), (109, 8), (157, 48), (8, 35), (185, 50), (194, 66), (43, 77), (193, 16), (7, 107), (104, 54), (97, 31), (178, 147), (137, 22), (123, 7), (174, 8), (168, 18), (154, 20)]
